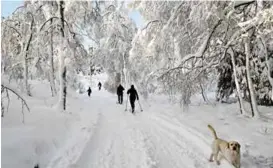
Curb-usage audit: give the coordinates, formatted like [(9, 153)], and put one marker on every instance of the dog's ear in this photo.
[(228, 145), (239, 146)]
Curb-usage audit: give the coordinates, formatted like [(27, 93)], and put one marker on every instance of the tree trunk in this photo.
[(62, 66), (25, 52), (91, 73), (255, 112), (27, 88), (242, 108), (124, 71), (203, 92), (51, 74), (2, 104), (269, 66)]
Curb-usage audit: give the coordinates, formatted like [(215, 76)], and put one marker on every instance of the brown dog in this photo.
[(229, 150)]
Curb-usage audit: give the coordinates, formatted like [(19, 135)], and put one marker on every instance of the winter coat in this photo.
[(133, 93), (120, 90)]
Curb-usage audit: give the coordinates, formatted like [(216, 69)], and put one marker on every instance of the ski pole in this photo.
[(126, 103), (139, 105)]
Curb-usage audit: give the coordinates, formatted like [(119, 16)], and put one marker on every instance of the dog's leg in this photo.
[(210, 158), (237, 165), (216, 157)]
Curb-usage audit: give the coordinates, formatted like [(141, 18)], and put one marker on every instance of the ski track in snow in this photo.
[(118, 139)]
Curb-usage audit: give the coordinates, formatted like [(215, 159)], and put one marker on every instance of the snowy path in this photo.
[(118, 139)]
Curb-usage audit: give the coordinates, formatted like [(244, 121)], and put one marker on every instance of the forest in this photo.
[(194, 67), (185, 48)]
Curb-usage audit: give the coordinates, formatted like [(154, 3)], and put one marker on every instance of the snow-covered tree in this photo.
[(187, 41)]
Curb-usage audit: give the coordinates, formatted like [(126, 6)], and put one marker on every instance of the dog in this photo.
[(229, 150)]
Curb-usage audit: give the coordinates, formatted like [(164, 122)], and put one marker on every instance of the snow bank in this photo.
[(45, 131), (255, 136)]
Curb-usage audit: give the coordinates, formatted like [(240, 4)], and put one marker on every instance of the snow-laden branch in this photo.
[(17, 9), (151, 22), (73, 33), (7, 87), (54, 17), (201, 50), (14, 29), (247, 25), (13, 90), (85, 34), (241, 3), (174, 15), (42, 26)]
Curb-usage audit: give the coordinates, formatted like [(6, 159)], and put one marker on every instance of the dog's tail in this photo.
[(213, 131)]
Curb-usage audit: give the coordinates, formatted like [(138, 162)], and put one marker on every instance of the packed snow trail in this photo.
[(119, 139)]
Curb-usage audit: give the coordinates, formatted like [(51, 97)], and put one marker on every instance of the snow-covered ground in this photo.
[(96, 132)]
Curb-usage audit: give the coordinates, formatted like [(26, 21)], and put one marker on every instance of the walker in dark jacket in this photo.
[(89, 91), (120, 93), (99, 85), (133, 96)]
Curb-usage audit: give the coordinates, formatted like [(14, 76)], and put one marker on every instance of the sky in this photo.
[(135, 15), (7, 7)]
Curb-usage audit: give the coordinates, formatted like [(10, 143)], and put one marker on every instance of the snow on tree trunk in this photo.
[(124, 70), (269, 65), (62, 66), (255, 112), (203, 92), (25, 52), (91, 65), (62, 76), (91, 73), (51, 73), (26, 84), (242, 108), (269, 71), (260, 4)]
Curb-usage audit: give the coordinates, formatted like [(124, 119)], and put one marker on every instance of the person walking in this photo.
[(120, 93), (89, 91), (133, 96), (99, 85)]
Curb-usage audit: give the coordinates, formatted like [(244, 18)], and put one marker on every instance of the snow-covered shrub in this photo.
[(110, 86), (81, 88)]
